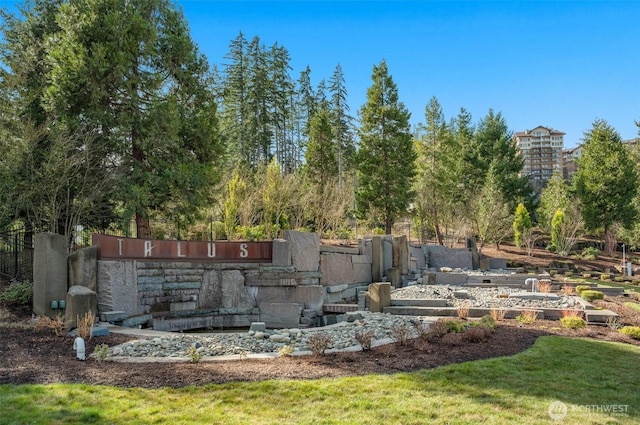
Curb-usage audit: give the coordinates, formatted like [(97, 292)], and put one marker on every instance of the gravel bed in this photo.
[(482, 297), (342, 336)]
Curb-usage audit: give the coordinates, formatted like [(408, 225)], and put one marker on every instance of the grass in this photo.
[(517, 389)]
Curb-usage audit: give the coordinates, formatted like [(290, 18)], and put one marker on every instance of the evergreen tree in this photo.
[(521, 224), (322, 163), (130, 69), (386, 157), (493, 144), (342, 122), (606, 182), (555, 196), (235, 108)]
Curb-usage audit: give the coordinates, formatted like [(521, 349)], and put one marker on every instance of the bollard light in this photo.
[(54, 305)]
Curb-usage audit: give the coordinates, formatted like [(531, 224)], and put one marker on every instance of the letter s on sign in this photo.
[(243, 250)]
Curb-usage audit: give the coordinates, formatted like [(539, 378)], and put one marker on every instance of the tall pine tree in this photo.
[(386, 157)]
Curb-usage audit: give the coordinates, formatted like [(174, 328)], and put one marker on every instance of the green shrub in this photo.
[(194, 354), (18, 293), (586, 275), (590, 295), (581, 288), (619, 278), (632, 331), (456, 326), (553, 272), (551, 248), (605, 276), (286, 350), (488, 322), (101, 352), (574, 322), (590, 253)]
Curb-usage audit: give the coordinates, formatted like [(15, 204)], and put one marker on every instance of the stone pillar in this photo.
[(394, 277), (281, 253), (401, 254), (379, 296), (80, 301), (83, 268), (475, 257), (49, 272), (305, 250), (377, 259)]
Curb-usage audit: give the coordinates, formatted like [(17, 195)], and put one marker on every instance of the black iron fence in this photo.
[(16, 254)]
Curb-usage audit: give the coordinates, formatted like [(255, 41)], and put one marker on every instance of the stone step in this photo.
[(339, 308), (420, 303), (600, 317)]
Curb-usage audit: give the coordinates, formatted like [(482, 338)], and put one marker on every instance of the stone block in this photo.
[(379, 295), (393, 275), (485, 264), (450, 278), (333, 249), (336, 269), (387, 253), (80, 300), (258, 327), (182, 306), (280, 315), (83, 268), (305, 250), (401, 253), (134, 322), (450, 257), (337, 288), (498, 263), (310, 296), (234, 292), (377, 259), (281, 255), (418, 253), (49, 272), (113, 316)]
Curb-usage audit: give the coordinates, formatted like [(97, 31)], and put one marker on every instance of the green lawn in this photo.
[(585, 375)]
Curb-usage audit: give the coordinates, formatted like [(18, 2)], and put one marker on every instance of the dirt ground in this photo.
[(39, 357)]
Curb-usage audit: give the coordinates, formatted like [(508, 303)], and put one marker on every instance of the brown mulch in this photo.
[(30, 357)]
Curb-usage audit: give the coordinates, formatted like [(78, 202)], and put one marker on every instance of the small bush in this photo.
[(453, 339), (581, 288), (618, 279), (85, 325), (544, 287), (573, 322), (631, 331), (19, 293), (57, 324), (194, 354), (614, 323), (366, 339), (553, 272), (477, 334), (453, 326), (590, 253), (437, 330), (318, 343), (590, 295), (286, 350), (101, 352), (488, 321), (605, 276), (498, 314), (421, 329), (567, 290), (463, 310), (527, 317), (401, 334)]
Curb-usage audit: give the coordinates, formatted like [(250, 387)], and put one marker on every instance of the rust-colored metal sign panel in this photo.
[(117, 248)]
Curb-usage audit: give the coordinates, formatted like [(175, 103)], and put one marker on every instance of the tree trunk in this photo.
[(143, 229), (388, 225), (610, 241)]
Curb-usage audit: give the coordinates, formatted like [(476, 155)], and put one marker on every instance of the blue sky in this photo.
[(558, 64)]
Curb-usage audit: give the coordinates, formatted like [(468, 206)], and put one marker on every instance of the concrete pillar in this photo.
[(377, 259), (379, 296), (83, 268), (49, 272)]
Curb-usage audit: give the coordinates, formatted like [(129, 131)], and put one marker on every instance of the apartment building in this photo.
[(541, 149)]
